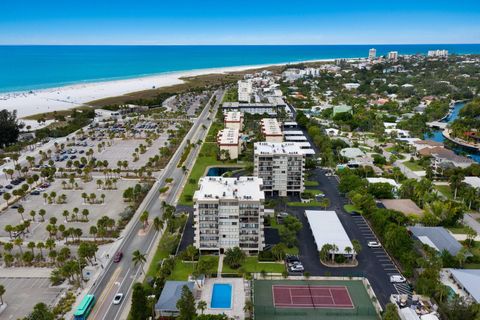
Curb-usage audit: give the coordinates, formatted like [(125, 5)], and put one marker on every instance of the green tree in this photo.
[(234, 257), (139, 311), (138, 258), (9, 127), (2, 292), (186, 305), (41, 312), (202, 305), (390, 312)]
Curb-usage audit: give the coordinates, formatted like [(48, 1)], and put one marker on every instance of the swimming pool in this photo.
[(221, 296)]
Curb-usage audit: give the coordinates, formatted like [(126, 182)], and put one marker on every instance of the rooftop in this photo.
[(391, 182), (472, 181), (468, 279), (352, 153), (228, 136), (438, 238), (405, 206), (278, 148), (171, 293), (241, 188), (233, 116), (327, 228), (271, 127)]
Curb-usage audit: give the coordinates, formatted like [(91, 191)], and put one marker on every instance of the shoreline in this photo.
[(34, 102)]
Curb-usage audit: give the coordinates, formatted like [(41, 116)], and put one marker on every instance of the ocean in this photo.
[(24, 68)]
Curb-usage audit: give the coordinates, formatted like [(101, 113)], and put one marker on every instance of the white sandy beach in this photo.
[(62, 98)]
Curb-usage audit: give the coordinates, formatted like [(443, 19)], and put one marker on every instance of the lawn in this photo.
[(183, 269), (313, 192), (161, 253), (252, 265), (459, 229), (306, 204), (207, 157), (445, 190), (311, 183), (350, 208), (413, 166)]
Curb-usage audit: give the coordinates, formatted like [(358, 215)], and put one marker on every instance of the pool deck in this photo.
[(238, 297)]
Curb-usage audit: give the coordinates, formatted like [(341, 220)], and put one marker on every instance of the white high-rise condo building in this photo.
[(228, 141), (438, 53), (393, 55), (281, 166), (229, 213), (245, 90), (372, 53)]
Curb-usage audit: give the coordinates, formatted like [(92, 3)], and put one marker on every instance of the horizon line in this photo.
[(233, 44)]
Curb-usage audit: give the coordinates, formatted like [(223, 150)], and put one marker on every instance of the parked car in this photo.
[(297, 268), (118, 298), (118, 256), (9, 187), (396, 278), (374, 244), (35, 193)]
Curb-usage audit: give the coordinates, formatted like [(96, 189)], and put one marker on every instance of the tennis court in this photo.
[(307, 296), (312, 299)]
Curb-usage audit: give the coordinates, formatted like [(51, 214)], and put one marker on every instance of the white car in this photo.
[(397, 279), (374, 244), (118, 298), (297, 268)]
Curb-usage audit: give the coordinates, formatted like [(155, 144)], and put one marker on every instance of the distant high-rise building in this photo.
[(245, 90), (438, 53), (393, 55), (372, 53)]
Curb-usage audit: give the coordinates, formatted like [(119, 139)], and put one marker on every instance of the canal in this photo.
[(436, 135)]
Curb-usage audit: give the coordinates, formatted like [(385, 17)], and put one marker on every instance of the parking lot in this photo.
[(373, 263), (112, 207), (22, 292)]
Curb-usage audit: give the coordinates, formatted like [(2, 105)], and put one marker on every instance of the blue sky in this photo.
[(238, 22)]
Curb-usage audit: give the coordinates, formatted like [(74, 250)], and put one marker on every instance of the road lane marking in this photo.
[(106, 292)]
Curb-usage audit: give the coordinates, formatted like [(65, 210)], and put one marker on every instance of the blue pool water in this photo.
[(221, 296)]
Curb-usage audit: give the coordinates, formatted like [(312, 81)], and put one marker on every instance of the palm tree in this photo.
[(144, 219), (191, 253), (31, 245), (348, 250), (202, 305), (19, 242), (94, 231), (138, 258), (42, 214), (40, 247), (2, 292), (9, 228), (248, 308), (456, 181), (158, 224), (357, 247)]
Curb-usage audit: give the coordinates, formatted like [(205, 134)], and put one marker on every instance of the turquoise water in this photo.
[(438, 136), (34, 67), (221, 296)]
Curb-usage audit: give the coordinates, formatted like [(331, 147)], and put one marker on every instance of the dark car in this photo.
[(118, 256), (10, 187), (35, 193), (15, 182)]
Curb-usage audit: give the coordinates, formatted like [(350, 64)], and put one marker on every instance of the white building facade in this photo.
[(281, 166), (229, 213)]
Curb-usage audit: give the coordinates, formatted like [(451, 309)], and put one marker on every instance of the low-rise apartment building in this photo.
[(229, 143), (271, 130), (281, 166), (229, 213), (233, 120)]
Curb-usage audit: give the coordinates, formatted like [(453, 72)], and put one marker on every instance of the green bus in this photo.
[(83, 310)]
